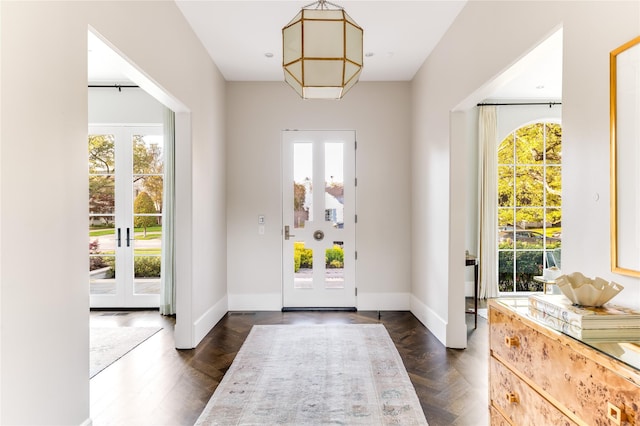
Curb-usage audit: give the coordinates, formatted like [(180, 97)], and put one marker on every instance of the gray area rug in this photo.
[(108, 344), (315, 375)]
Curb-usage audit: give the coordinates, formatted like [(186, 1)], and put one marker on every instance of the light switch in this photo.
[(261, 219), (261, 229)]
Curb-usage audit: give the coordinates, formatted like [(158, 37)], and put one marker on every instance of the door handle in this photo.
[(287, 235), (118, 239), (128, 238)]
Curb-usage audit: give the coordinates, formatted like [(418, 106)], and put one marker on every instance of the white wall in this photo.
[(510, 118), (257, 113), (469, 57), (43, 193), (130, 106)]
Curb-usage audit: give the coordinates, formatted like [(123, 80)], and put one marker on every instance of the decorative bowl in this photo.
[(586, 291)]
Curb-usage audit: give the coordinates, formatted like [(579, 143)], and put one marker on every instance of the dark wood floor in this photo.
[(157, 385)]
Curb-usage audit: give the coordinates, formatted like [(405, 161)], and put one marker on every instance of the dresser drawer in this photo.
[(570, 379), (518, 402), (496, 418)]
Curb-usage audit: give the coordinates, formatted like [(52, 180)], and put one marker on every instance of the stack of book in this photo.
[(607, 322)]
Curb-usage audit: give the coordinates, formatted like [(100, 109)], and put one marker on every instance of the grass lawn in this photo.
[(99, 232)]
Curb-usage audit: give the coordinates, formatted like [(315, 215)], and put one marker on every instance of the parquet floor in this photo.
[(157, 385)]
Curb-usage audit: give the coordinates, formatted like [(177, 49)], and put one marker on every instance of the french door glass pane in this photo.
[(103, 280), (102, 194), (148, 154), (102, 174), (102, 233), (147, 246), (148, 169), (146, 273), (302, 188), (102, 261), (102, 154)]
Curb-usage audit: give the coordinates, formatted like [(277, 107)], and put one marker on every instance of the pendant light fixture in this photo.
[(322, 51)]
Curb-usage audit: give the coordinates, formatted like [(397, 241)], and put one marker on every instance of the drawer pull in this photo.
[(512, 398), (615, 414), (512, 342)]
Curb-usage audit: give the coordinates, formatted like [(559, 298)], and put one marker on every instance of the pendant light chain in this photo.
[(321, 5)]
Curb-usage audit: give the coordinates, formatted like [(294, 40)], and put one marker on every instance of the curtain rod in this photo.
[(112, 86), (521, 103)]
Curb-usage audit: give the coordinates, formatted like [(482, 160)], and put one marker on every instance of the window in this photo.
[(529, 205)]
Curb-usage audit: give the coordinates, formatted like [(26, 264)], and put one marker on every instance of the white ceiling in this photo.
[(399, 34)]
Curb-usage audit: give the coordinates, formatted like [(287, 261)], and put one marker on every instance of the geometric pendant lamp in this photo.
[(322, 51)]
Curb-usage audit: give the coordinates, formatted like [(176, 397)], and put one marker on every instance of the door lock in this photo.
[(287, 235)]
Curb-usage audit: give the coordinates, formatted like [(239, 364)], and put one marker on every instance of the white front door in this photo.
[(126, 174), (319, 217)]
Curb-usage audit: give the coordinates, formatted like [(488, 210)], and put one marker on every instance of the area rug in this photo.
[(315, 375), (109, 344)]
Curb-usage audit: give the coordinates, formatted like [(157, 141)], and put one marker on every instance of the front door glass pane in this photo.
[(334, 272), (334, 211), (334, 183), (302, 188), (303, 265)]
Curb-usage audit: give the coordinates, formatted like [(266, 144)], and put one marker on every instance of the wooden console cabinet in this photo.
[(539, 376)]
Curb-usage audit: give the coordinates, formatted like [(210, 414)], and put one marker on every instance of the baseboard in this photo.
[(255, 302), (429, 319), (337, 309), (384, 301), (208, 320)]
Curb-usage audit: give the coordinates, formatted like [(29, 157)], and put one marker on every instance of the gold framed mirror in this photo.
[(625, 158)]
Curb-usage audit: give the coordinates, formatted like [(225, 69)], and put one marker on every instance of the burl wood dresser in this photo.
[(540, 376)]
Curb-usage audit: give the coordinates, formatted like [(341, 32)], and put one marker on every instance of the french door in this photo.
[(126, 174), (318, 211)]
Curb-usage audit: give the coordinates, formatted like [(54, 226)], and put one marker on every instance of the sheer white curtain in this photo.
[(488, 182), (167, 288)]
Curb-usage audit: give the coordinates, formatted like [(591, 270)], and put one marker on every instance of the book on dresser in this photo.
[(607, 316), (619, 333)]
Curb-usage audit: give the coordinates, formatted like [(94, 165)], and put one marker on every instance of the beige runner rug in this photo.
[(109, 344), (315, 375)]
